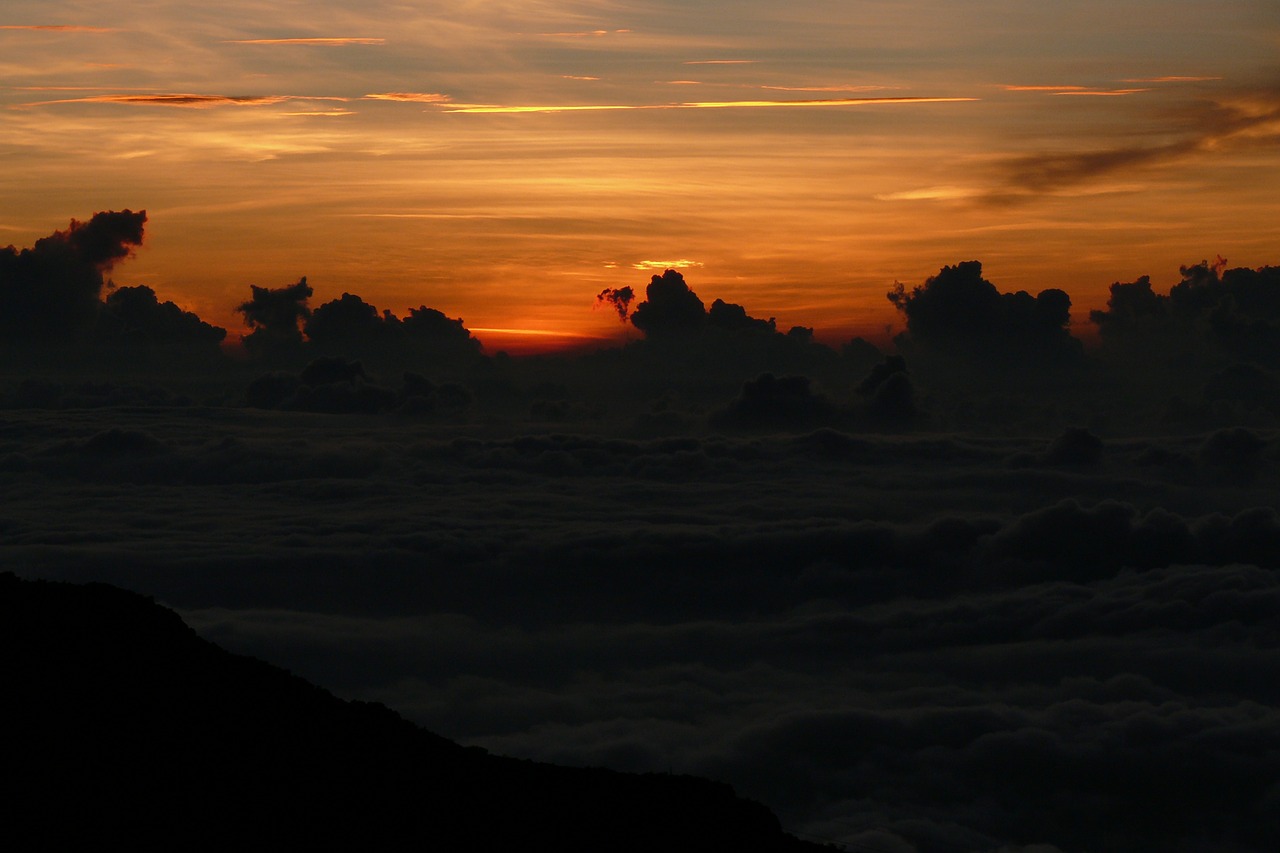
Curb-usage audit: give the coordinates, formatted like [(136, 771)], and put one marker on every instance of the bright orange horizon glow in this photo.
[(505, 168)]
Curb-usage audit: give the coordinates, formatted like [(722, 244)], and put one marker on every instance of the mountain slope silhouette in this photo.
[(122, 725)]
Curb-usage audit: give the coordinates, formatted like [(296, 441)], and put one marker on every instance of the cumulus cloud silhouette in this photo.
[(276, 316), (1217, 328), (143, 319), (346, 324), (962, 315), (670, 309), (54, 288)]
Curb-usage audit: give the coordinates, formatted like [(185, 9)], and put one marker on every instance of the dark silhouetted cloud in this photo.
[(770, 401), (53, 290), (276, 316), (958, 314), (670, 308), (144, 319), (618, 298)]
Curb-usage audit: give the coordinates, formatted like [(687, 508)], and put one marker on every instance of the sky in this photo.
[(504, 162)]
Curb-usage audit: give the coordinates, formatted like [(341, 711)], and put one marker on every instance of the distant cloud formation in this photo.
[(52, 304), (1231, 310), (1203, 355)]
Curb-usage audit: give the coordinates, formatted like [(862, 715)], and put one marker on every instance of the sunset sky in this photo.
[(504, 161)]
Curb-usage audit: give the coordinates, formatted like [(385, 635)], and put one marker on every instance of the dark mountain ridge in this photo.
[(123, 725)]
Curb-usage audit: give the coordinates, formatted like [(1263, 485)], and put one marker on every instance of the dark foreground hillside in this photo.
[(120, 724)]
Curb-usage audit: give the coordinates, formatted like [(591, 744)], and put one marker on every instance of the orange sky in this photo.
[(503, 162)]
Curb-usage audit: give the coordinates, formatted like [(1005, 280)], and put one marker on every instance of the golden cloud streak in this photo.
[(945, 193), (699, 105), (1054, 89), (1074, 90), (411, 97), (681, 264), (323, 42), (1103, 93)]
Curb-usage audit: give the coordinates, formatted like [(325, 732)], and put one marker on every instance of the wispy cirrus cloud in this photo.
[(940, 193), (1169, 79), (721, 62), (699, 105), (825, 88), (409, 97), (319, 42), (1042, 88), (181, 100), (1075, 90), (585, 34), (1246, 120), (1104, 93)]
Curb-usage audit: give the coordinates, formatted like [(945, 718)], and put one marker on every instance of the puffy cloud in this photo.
[(53, 310), (1216, 331), (347, 324), (958, 314), (276, 316), (54, 288), (671, 309), (143, 319)]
